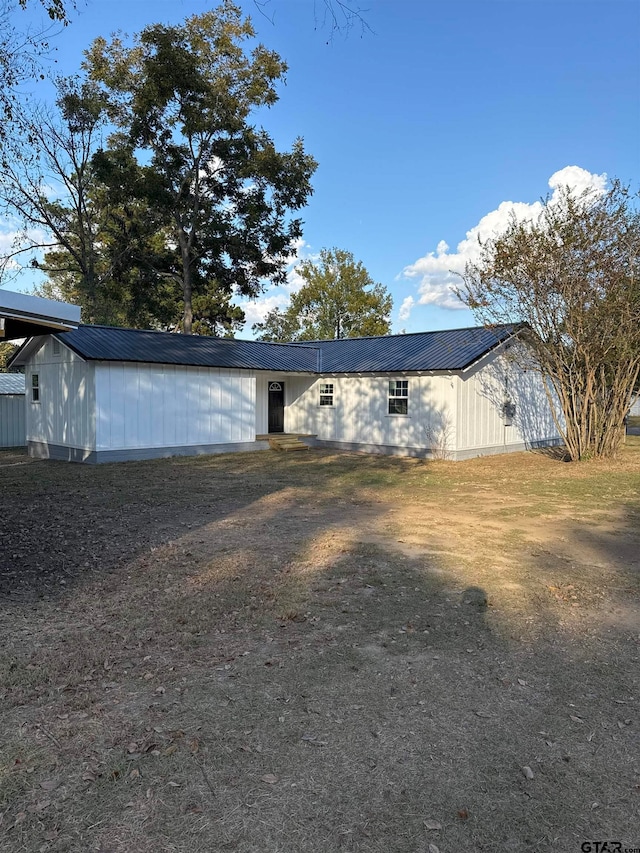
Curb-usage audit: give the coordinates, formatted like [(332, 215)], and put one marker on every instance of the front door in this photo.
[(276, 407)]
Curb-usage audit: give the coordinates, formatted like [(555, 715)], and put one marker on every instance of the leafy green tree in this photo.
[(182, 98), (120, 269), (338, 300), (105, 248), (572, 277), (279, 326), (7, 349)]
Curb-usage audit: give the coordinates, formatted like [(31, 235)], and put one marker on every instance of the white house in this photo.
[(12, 410), (98, 394)]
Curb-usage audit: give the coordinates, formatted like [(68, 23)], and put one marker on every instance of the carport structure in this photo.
[(23, 316)]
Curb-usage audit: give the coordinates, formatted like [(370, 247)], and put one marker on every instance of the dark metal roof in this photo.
[(453, 349), (105, 343)]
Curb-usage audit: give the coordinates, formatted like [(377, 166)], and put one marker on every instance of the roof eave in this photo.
[(498, 343)]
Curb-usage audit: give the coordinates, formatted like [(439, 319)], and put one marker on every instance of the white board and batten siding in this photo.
[(482, 425), (294, 385), (153, 405), (453, 415), (113, 410), (64, 413), (12, 410), (103, 410), (360, 411)]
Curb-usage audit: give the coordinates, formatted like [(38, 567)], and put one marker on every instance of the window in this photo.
[(398, 396), (326, 393), (35, 388), (56, 347)]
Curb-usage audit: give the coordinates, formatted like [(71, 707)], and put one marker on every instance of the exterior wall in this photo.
[(360, 411), (454, 416), (292, 388), (65, 413), (482, 426), (12, 420), (634, 411), (41, 450), (171, 406), (109, 411), (262, 404)]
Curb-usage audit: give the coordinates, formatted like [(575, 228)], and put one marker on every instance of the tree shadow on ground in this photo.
[(285, 674), (65, 523)]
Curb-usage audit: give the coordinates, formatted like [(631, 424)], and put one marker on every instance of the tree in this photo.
[(50, 184), (182, 99), (7, 349), (107, 249), (338, 16), (338, 300), (21, 51), (572, 277)]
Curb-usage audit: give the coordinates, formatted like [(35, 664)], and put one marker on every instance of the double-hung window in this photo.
[(398, 396), (326, 393), (35, 388)]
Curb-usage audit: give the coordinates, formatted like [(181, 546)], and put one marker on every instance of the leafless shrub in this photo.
[(439, 434)]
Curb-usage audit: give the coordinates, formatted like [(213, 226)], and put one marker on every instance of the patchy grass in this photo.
[(319, 652)]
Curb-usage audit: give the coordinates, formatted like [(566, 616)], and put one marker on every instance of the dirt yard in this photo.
[(319, 652)]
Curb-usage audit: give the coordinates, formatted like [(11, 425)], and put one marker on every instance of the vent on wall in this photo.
[(56, 347)]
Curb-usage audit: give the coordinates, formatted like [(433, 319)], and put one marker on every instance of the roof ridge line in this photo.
[(487, 327)]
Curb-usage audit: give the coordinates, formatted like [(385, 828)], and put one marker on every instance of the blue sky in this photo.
[(428, 124)]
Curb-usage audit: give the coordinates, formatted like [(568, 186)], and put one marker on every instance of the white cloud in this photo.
[(405, 309), (276, 296), (578, 179), (7, 242), (257, 309), (439, 272)]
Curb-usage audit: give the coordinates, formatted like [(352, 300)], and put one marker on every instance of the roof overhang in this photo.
[(23, 316), (499, 347)]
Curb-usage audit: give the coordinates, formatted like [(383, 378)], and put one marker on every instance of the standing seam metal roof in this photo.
[(12, 383), (106, 343), (454, 349)]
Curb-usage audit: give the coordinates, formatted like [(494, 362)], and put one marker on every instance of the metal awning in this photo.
[(22, 316)]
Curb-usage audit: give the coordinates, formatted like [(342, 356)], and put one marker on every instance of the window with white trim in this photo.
[(326, 393), (398, 396), (35, 388)]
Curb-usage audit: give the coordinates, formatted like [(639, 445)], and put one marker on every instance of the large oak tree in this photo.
[(183, 99)]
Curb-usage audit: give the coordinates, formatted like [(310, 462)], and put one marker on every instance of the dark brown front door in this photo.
[(276, 407)]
